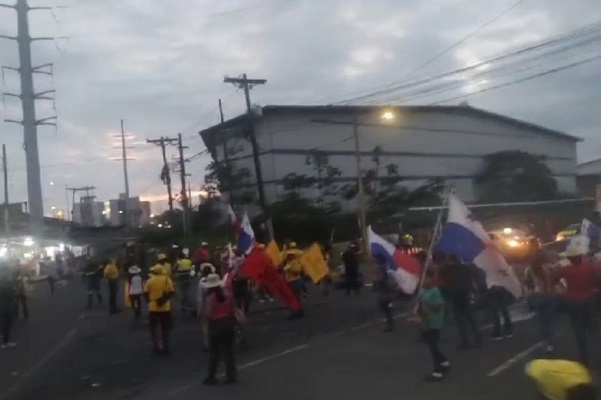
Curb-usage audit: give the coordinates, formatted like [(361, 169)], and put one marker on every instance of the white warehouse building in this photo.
[(425, 142)]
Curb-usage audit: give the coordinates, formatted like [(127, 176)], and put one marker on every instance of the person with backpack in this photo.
[(158, 291)]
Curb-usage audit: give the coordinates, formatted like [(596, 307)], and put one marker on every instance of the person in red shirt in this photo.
[(581, 281), (220, 309)]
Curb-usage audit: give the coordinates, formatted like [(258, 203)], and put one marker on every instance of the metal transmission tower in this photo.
[(28, 98)]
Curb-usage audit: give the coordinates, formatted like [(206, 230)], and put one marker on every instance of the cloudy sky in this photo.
[(159, 64)]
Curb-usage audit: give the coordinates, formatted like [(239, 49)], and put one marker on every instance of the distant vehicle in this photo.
[(568, 232), (514, 243)]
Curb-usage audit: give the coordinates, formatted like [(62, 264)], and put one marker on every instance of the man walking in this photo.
[(350, 259), (158, 291), (111, 274)]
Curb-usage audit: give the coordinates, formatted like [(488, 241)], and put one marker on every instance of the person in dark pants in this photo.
[(111, 273), (8, 302), (93, 278), (350, 258), (220, 311), (499, 300), (581, 282), (22, 301), (431, 306), (382, 286), (158, 291), (459, 283)]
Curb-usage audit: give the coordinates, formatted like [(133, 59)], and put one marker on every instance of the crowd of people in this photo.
[(450, 289)]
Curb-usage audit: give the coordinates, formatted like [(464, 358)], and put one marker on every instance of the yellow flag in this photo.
[(314, 263), (274, 253)]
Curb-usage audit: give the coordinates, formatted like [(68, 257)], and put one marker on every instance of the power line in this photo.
[(442, 53)]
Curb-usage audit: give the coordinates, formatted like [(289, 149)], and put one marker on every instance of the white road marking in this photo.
[(509, 363), (247, 365), (58, 347)]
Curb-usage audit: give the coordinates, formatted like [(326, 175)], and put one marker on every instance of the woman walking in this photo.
[(220, 312)]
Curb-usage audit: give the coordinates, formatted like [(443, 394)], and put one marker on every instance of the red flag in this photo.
[(258, 267)]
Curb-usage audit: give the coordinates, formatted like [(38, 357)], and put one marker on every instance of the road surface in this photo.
[(337, 351)]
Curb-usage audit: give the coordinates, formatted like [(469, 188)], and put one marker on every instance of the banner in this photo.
[(313, 263), (258, 267), (274, 253)]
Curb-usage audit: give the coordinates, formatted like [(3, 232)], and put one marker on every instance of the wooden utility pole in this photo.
[(246, 84), (182, 175), (5, 171), (165, 173)]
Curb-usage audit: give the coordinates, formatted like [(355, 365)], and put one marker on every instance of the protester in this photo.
[(23, 289), (163, 262), (183, 275), (202, 255), (111, 274), (459, 281), (220, 311), (431, 310), (293, 269), (206, 269), (543, 298), (581, 282), (499, 300), (158, 291), (93, 277), (383, 288), (50, 269), (8, 302), (350, 258), (562, 380), (136, 289)]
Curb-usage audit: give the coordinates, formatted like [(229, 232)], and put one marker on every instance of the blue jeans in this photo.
[(545, 306)]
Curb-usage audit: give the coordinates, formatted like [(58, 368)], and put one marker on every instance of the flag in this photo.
[(257, 266), (246, 236), (404, 268), (231, 215), (314, 264), (273, 251), (467, 239)]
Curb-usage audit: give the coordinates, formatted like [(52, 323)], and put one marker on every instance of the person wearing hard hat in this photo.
[(562, 380), (136, 288), (158, 291), (206, 269), (220, 311), (581, 281), (293, 269), (111, 274), (163, 262), (183, 271)]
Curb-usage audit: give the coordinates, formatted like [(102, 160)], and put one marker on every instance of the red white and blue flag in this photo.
[(467, 239), (404, 268), (246, 236)]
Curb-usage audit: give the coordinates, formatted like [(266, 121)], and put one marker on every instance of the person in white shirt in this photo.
[(135, 290)]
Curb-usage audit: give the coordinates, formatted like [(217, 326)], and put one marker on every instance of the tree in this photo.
[(227, 178), (324, 174), (515, 176)]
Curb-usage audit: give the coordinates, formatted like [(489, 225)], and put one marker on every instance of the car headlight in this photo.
[(513, 243)]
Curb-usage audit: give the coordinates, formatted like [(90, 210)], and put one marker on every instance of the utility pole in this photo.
[(221, 112), (126, 211), (165, 173), (182, 174), (28, 98), (5, 171), (360, 189), (246, 84)]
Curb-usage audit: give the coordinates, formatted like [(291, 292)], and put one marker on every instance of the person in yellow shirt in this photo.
[(158, 291), (183, 276), (562, 380), (111, 274), (293, 269), (163, 262)]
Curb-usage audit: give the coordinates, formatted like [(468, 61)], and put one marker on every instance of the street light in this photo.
[(387, 115)]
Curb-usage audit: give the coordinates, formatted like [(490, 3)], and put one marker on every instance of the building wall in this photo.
[(424, 145), (139, 211), (95, 218)]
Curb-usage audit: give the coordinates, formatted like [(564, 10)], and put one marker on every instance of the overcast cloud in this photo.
[(159, 64)]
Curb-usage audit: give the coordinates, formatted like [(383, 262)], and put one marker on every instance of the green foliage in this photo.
[(228, 178), (515, 176)]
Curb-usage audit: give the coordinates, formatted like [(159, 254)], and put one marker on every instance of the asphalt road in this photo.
[(337, 351)]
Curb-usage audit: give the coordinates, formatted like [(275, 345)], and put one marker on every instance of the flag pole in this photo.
[(435, 237)]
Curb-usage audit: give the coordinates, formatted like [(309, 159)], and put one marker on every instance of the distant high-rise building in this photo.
[(89, 212), (130, 212)]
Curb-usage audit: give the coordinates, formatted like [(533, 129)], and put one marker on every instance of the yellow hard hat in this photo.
[(555, 377)]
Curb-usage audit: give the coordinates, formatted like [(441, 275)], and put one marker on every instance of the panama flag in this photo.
[(404, 268), (467, 239), (246, 236)]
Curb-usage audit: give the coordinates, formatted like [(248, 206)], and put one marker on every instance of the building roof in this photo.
[(459, 109)]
